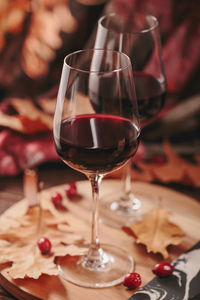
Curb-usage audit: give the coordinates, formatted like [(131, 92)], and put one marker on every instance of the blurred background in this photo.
[(36, 35)]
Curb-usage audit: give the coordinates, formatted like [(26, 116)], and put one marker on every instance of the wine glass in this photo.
[(138, 37), (95, 133)]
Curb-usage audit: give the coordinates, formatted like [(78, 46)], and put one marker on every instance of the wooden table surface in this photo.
[(11, 190)]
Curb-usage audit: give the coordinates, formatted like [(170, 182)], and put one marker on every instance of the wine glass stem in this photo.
[(127, 179), (95, 181), (126, 200)]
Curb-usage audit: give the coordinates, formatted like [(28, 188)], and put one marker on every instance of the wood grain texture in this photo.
[(185, 210)]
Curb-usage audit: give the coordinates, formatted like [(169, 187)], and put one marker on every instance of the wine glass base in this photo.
[(116, 264), (126, 210), (113, 213)]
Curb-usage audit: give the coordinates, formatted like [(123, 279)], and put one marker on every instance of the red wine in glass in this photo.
[(97, 143), (150, 95), (150, 92)]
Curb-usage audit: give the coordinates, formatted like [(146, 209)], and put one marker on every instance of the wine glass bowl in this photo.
[(78, 151), (138, 36), (95, 134)]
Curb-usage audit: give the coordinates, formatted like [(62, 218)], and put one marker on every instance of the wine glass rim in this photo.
[(151, 28), (126, 65)]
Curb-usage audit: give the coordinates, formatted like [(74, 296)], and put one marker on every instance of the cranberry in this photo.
[(44, 245), (163, 269), (71, 190), (132, 280), (56, 198), (158, 159)]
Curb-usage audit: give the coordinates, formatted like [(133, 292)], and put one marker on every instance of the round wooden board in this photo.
[(185, 213)]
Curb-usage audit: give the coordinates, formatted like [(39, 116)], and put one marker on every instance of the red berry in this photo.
[(44, 245), (158, 159), (71, 190), (163, 269), (132, 280), (56, 198)]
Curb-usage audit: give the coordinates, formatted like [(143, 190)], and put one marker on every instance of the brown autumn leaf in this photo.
[(48, 21), (12, 16), (10, 218), (27, 263), (48, 105), (58, 230), (26, 109), (18, 239), (156, 232), (32, 125), (29, 119), (72, 250), (176, 169), (9, 250), (10, 122), (32, 265)]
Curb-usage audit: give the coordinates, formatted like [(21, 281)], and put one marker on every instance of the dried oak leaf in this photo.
[(156, 232)]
